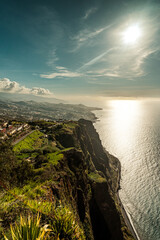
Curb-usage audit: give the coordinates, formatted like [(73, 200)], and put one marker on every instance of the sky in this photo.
[(80, 49)]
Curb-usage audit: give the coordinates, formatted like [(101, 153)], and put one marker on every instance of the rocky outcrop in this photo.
[(94, 183)]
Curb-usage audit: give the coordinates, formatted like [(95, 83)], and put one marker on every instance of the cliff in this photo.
[(101, 171), (68, 165)]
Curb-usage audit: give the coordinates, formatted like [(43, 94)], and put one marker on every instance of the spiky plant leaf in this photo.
[(29, 229)]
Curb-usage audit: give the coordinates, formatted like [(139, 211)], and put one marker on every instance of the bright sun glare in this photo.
[(131, 34), (124, 115)]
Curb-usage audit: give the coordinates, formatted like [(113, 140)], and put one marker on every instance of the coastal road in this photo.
[(20, 139)]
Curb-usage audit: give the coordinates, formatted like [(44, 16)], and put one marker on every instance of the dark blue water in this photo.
[(130, 130)]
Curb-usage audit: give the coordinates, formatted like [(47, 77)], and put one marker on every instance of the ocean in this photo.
[(130, 130)]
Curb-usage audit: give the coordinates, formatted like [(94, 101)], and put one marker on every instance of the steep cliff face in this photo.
[(97, 176), (67, 166)]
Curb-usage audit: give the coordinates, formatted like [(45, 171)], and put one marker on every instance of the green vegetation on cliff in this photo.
[(31, 142), (61, 172), (96, 177)]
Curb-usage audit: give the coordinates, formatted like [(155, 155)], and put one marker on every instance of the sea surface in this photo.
[(130, 130)]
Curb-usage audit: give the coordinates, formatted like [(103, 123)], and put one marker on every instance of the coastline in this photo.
[(125, 214), (127, 219)]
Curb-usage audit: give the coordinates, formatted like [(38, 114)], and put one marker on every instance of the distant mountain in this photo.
[(34, 110), (27, 97)]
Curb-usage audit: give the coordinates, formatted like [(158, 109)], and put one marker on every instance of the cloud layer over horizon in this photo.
[(6, 85)]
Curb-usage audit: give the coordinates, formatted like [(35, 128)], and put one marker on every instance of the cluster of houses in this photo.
[(8, 130)]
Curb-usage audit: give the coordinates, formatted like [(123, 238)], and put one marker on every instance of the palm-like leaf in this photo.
[(29, 229)]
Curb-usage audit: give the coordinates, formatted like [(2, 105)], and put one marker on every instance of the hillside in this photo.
[(62, 166), (32, 110)]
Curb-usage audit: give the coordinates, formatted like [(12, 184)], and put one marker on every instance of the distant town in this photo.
[(31, 111), (11, 128), (15, 116)]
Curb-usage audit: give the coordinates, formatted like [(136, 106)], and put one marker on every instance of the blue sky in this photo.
[(76, 48)]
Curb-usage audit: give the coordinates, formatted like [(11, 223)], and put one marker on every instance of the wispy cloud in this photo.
[(96, 59), (89, 12), (86, 36), (6, 85), (104, 72), (142, 55), (121, 60), (119, 64), (110, 74), (98, 83), (61, 72), (61, 68), (131, 64), (52, 58)]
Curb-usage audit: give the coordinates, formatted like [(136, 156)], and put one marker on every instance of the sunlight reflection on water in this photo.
[(123, 118), (130, 130)]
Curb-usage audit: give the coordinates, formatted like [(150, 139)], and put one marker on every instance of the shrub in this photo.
[(49, 149), (7, 163), (24, 172), (96, 177), (64, 225), (25, 150), (29, 229), (39, 160)]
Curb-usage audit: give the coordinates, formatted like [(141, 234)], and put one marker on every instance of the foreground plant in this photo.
[(64, 226), (29, 229)]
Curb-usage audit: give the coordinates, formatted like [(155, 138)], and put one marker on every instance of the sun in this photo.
[(132, 34)]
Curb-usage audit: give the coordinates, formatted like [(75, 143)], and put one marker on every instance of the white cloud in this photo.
[(62, 72), (106, 72), (140, 59), (52, 58), (11, 86), (120, 60), (130, 63), (7, 85), (60, 68), (40, 91), (110, 74), (85, 34), (96, 59), (89, 12)]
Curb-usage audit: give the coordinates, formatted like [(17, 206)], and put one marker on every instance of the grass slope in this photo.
[(31, 142)]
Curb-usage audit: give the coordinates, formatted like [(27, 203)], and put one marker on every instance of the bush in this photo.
[(24, 172), (64, 225), (29, 229), (25, 150), (49, 149), (7, 163), (39, 160)]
